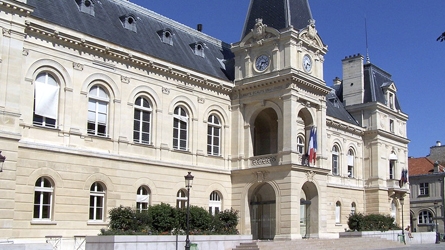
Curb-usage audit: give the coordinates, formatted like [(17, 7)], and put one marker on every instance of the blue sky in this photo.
[(401, 40)]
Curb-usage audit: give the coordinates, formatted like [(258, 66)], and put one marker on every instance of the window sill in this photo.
[(97, 223), (423, 195), (184, 151), (43, 222), (338, 224), (215, 156), (45, 127)]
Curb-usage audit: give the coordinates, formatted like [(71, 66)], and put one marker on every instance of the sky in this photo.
[(401, 38)]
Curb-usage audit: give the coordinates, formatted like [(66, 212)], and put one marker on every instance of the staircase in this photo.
[(325, 244)]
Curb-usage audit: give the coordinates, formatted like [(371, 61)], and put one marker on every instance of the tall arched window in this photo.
[(300, 144), (142, 198), (353, 208), (335, 160), (46, 100), (181, 199), (351, 163), (214, 203), (43, 199), (97, 202), (142, 121), (213, 136), (337, 212), (180, 129), (97, 111), (425, 217)]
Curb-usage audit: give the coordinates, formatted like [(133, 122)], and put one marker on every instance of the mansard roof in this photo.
[(278, 14), (336, 109), (105, 22), (376, 81)]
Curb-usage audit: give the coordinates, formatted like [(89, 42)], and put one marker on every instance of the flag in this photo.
[(312, 146), (404, 178)]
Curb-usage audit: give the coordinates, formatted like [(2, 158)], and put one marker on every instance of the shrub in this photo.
[(371, 222), (124, 219), (162, 218), (225, 222)]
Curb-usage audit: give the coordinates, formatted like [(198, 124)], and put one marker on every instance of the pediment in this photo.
[(309, 35), (259, 35), (390, 86)]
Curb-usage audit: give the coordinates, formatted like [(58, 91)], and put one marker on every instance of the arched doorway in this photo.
[(309, 210), (262, 207), (265, 133)]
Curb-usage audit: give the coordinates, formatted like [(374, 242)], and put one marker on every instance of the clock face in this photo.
[(307, 63), (262, 62)]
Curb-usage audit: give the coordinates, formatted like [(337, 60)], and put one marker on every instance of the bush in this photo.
[(163, 218), (371, 222), (124, 219), (225, 222)]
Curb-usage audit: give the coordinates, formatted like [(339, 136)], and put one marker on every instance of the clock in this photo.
[(262, 62), (307, 63)]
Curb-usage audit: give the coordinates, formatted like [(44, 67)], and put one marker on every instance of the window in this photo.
[(180, 128), (129, 22), (425, 217), (392, 169), (97, 111), (166, 36), (391, 101), (353, 208), (142, 121), (86, 6), (337, 212), (391, 126), (198, 49), (424, 189), (214, 203), (97, 202), (181, 199), (214, 136), (351, 163), (43, 199), (335, 153), (142, 199), (300, 144), (46, 100)]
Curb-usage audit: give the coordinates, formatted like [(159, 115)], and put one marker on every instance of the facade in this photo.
[(105, 103), (426, 179)]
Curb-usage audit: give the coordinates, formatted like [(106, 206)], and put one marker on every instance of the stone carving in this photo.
[(165, 90), (264, 160), (25, 52), (260, 176), (310, 176), (125, 79), (201, 100), (259, 29), (78, 66)]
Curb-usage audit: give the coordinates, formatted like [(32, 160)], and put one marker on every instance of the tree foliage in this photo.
[(441, 38), (371, 222)]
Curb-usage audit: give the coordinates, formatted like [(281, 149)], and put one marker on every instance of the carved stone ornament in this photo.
[(259, 30), (201, 100), (165, 90), (260, 176), (312, 32), (310, 176), (125, 79), (78, 66)]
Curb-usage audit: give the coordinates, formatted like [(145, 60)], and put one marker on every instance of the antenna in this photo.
[(368, 60)]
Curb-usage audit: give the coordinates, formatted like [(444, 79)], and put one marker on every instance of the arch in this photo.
[(219, 111), (265, 132), (45, 172), (145, 182), (263, 211), (254, 110), (309, 210), (186, 102), (52, 66), (149, 92), (99, 177), (106, 81)]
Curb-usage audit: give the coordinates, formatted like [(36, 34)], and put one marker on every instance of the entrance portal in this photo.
[(309, 211), (263, 212)]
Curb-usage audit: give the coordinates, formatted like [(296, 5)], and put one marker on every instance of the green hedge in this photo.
[(165, 219), (371, 222)]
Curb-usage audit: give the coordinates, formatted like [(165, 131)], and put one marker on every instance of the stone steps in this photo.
[(326, 244)]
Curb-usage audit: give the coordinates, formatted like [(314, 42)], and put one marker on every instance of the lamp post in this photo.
[(2, 160), (188, 184), (437, 228), (402, 201)]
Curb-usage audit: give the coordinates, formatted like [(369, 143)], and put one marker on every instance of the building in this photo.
[(105, 103), (426, 179)]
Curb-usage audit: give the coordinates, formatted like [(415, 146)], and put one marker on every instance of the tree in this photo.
[(441, 38)]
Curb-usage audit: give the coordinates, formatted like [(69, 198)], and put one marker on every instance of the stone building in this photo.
[(105, 103)]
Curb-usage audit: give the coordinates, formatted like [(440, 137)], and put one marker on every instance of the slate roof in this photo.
[(336, 109), (278, 14), (107, 25), (422, 166)]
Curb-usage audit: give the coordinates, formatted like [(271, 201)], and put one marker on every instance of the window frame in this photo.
[(338, 212), (143, 110), (215, 203), (300, 144), (98, 102), (425, 215), (392, 169), (97, 197), (181, 134), (181, 198), (46, 122), (335, 152), (40, 191), (214, 140), (142, 198), (424, 189), (350, 163)]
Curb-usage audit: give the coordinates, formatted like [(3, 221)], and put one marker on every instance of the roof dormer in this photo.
[(198, 48), (129, 22), (166, 36), (86, 6)]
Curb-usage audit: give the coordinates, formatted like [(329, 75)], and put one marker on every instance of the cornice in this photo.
[(345, 126), (386, 134), (16, 7), (140, 60)]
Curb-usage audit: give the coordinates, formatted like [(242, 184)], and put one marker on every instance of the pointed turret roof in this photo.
[(278, 14)]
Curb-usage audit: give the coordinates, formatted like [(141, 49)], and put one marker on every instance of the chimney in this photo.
[(199, 28), (436, 167), (438, 144), (337, 81), (353, 80)]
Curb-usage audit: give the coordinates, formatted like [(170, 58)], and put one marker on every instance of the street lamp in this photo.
[(402, 201), (437, 228), (188, 184), (2, 160)]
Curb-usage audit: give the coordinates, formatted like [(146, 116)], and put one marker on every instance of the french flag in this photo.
[(312, 147)]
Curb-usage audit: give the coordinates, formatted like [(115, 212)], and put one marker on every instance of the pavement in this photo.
[(421, 246)]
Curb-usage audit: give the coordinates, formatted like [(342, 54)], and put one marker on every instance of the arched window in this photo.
[(213, 136), (43, 199), (337, 212), (97, 202), (425, 217), (180, 128), (351, 163), (335, 160), (142, 198), (46, 100), (214, 203), (97, 111), (142, 121), (300, 144), (181, 199), (353, 208), (392, 165)]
